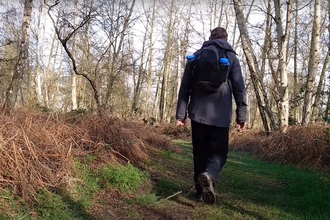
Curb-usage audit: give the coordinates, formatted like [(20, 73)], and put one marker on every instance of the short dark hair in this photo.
[(218, 33)]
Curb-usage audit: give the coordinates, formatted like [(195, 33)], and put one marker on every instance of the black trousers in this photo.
[(210, 150)]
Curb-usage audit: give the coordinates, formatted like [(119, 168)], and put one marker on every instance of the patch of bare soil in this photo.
[(112, 205)]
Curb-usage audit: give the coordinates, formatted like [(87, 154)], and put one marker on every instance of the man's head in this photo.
[(218, 33)]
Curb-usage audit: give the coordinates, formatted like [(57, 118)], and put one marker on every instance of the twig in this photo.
[(128, 160), (167, 198), (9, 181)]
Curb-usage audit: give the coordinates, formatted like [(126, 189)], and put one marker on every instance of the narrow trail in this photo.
[(247, 189)]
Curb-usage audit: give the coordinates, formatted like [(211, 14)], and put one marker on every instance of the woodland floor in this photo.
[(247, 189), (51, 168)]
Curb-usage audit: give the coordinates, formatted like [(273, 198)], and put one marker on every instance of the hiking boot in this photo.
[(206, 182)]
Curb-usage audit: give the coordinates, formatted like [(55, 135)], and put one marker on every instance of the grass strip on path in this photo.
[(253, 189)]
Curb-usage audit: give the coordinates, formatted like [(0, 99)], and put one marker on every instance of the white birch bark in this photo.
[(22, 64), (167, 61), (73, 75), (261, 95), (313, 62), (38, 73), (295, 63), (150, 61), (321, 84), (282, 41)]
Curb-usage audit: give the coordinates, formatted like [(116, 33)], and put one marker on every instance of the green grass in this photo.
[(147, 199), (124, 178), (285, 191), (178, 160), (60, 206), (165, 187), (259, 190), (12, 207), (253, 189)]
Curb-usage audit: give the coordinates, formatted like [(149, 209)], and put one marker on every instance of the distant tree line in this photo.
[(126, 57)]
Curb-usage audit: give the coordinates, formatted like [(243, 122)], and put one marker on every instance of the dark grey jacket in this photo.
[(214, 108)]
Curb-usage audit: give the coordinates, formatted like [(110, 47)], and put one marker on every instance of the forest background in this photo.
[(126, 58)]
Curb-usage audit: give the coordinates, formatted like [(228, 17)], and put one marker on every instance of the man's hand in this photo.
[(181, 122), (241, 126)]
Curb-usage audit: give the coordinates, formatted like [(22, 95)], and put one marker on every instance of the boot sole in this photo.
[(208, 194)]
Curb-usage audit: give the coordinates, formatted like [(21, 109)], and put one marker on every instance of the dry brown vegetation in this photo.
[(305, 147), (37, 149)]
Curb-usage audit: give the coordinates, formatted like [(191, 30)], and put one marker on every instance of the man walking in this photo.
[(211, 113)]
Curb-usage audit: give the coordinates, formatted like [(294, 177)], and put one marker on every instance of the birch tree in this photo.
[(38, 73), (312, 64), (140, 77), (50, 92), (320, 87), (73, 75), (326, 115), (150, 60), (167, 61), (22, 62), (261, 95), (283, 37), (295, 65), (184, 43)]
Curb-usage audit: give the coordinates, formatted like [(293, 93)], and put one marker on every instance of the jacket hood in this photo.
[(223, 44)]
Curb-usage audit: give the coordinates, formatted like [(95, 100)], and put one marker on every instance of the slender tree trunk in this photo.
[(38, 82), (83, 95), (267, 41), (73, 75), (179, 70), (117, 48), (282, 41), (246, 21), (183, 44), (221, 15), (263, 103), (140, 76), (53, 99), (295, 66), (150, 61), (22, 63), (50, 99), (167, 61), (213, 13), (312, 64), (157, 95), (326, 115), (320, 86)]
